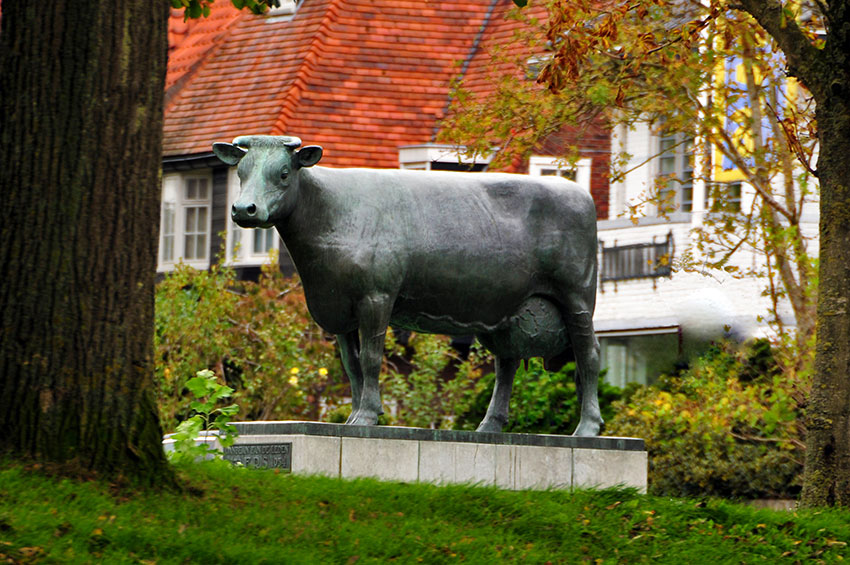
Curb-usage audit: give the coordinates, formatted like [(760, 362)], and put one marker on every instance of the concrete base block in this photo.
[(385, 459), (512, 461), (453, 462), (533, 467), (595, 468)]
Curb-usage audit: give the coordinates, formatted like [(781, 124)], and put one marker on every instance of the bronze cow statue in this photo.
[(508, 258)]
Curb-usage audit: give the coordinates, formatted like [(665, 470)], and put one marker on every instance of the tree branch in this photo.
[(802, 56)]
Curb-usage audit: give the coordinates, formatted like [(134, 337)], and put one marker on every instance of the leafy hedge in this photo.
[(729, 426), (255, 336)]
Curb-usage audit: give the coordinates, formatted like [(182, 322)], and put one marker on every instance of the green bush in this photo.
[(438, 384), (541, 402), (255, 336), (728, 426)]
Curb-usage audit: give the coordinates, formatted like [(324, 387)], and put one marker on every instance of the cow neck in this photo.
[(307, 221)]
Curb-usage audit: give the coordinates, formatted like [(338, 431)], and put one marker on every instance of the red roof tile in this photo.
[(349, 75), (189, 41)]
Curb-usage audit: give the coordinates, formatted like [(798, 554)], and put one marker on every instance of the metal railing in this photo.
[(636, 261)]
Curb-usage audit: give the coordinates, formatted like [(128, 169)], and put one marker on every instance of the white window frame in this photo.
[(175, 199), (241, 248), (682, 168), (538, 164)]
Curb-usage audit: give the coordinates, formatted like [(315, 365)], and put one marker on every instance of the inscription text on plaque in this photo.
[(267, 455)]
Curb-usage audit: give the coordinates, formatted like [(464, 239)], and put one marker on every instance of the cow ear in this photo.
[(229, 153), (308, 156)]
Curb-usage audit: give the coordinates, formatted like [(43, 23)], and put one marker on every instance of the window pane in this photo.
[(676, 161), (189, 246), (201, 246), (263, 240), (191, 189), (203, 189), (687, 197), (168, 248), (190, 226), (639, 358), (168, 218)]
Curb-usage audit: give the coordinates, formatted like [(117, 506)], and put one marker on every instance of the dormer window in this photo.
[(285, 9), (435, 157), (579, 172)]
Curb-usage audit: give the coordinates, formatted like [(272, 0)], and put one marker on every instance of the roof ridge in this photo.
[(292, 96)]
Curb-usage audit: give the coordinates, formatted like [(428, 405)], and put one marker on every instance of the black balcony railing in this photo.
[(637, 261)]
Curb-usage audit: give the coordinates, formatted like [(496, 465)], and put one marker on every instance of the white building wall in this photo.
[(697, 301), (699, 306)]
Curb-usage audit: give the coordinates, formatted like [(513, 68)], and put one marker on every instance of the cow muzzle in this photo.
[(248, 215)]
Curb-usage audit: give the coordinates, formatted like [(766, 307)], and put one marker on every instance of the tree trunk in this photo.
[(81, 133), (827, 479)]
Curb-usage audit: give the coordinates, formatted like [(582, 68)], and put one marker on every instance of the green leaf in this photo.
[(521, 3), (221, 391), (201, 407), (194, 9), (190, 427), (199, 386)]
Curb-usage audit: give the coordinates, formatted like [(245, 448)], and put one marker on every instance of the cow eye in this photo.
[(284, 173)]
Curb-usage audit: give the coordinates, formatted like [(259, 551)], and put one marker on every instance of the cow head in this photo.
[(269, 173)]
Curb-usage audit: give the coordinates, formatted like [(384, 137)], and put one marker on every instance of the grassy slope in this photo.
[(231, 515)]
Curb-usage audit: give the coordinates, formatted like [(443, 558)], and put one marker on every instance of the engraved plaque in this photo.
[(267, 455)]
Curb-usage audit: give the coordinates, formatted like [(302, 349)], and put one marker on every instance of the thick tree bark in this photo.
[(826, 73), (80, 149), (827, 480)]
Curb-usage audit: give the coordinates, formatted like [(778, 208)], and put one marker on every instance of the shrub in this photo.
[(728, 426), (438, 384), (256, 336), (541, 402)]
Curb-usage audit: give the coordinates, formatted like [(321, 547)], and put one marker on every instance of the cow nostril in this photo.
[(251, 209)]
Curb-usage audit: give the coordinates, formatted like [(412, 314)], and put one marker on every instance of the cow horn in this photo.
[(246, 141)]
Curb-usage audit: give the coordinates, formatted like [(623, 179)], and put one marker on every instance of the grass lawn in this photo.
[(234, 515)]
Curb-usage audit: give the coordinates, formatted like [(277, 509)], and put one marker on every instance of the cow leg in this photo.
[(497, 412), (349, 352), (373, 314), (579, 324)]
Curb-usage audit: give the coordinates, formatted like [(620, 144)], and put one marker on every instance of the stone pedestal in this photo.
[(513, 461)]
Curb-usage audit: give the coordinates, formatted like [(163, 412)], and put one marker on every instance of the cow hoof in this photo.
[(489, 426), (588, 428), (361, 418)]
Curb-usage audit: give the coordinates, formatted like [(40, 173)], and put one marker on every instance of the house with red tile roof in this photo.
[(368, 80)]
